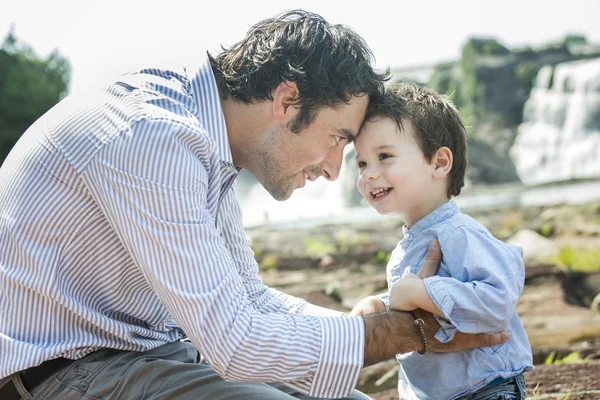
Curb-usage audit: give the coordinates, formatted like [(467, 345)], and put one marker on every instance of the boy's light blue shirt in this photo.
[(477, 288)]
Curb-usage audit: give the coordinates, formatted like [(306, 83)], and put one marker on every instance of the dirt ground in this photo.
[(556, 381)]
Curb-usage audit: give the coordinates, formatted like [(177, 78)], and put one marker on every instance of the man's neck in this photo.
[(245, 124)]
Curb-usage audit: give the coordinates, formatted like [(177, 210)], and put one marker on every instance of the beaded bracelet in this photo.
[(418, 322)]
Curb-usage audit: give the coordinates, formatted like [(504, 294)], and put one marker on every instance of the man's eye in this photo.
[(338, 139)]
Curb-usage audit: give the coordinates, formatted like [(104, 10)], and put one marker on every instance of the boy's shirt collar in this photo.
[(438, 215)]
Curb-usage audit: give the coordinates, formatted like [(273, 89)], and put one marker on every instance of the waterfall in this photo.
[(559, 138)]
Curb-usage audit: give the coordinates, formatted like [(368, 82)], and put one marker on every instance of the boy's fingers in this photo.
[(432, 260)]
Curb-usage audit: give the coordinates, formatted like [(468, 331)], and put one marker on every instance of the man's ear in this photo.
[(286, 95), (442, 161)]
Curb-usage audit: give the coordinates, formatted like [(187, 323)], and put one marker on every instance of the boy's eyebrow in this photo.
[(348, 134), (385, 146), (381, 147)]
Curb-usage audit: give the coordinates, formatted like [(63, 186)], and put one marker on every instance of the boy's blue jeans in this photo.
[(513, 389)]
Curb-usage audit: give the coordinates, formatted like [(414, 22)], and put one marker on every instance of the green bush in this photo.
[(578, 260)]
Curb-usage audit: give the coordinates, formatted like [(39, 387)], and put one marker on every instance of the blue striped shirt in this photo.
[(119, 228)]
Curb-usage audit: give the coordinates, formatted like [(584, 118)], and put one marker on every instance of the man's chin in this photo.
[(279, 193)]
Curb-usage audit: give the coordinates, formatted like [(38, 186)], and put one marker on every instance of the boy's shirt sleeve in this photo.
[(385, 297), (486, 278)]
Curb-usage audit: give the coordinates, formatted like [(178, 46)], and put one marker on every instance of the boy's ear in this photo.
[(442, 161), (285, 95)]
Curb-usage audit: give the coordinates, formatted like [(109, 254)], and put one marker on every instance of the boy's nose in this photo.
[(370, 174)]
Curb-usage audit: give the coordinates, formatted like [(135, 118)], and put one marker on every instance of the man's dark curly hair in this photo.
[(328, 63)]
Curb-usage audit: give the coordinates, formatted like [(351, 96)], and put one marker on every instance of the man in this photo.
[(120, 232)]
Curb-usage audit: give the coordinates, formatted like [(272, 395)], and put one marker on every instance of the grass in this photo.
[(577, 260), (574, 357), (382, 258), (566, 397), (318, 246)]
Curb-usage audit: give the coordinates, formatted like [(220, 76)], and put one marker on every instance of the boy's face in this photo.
[(394, 175)]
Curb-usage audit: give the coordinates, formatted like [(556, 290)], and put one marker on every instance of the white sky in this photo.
[(103, 39)]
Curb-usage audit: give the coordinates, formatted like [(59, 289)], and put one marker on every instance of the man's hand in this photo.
[(461, 341), (432, 260), (368, 305), (393, 332)]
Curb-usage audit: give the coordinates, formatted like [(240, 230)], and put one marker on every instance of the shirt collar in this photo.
[(208, 103), (438, 215)]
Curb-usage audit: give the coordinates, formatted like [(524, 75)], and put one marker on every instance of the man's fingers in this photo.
[(432, 260), (496, 338), (464, 341)]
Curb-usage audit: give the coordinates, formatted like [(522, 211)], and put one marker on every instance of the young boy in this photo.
[(412, 156)]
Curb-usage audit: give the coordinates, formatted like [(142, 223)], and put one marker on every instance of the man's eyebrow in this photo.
[(348, 134)]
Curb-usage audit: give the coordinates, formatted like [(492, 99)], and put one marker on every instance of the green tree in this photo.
[(29, 86), (574, 38)]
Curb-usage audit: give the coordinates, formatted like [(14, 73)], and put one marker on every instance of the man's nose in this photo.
[(332, 164)]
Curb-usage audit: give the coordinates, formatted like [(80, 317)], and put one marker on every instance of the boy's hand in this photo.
[(368, 305), (403, 293), (410, 293)]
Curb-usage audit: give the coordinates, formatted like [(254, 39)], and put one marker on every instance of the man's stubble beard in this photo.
[(279, 186)]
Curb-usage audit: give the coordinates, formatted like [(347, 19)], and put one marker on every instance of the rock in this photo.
[(537, 271), (535, 246), (379, 377), (581, 288)]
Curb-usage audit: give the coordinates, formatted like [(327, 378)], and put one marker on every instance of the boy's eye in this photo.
[(361, 164), (383, 156)]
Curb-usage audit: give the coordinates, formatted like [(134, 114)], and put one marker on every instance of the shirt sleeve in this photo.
[(385, 297), (156, 187), (487, 278), (263, 298)]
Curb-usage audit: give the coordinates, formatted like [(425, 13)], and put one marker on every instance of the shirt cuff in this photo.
[(342, 357), (385, 297), (436, 289)]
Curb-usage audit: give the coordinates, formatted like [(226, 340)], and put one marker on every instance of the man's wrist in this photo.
[(389, 333)]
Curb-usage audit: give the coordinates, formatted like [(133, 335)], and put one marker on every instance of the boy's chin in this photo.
[(388, 212)]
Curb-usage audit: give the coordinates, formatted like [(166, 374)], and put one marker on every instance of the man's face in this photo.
[(290, 159)]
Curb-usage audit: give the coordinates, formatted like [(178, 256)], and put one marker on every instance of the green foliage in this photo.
[(270, 262), (382, 258), (535, 392), (29, 86), (574, 357), (579, 260), (572, 38), (319, 246), (485, 47), (547, 229), (463, 85), (525, 73)]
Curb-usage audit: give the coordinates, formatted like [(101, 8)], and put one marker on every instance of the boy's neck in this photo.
[(427, 208)]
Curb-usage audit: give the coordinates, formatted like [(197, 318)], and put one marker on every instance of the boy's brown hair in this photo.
[(436, 120)]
